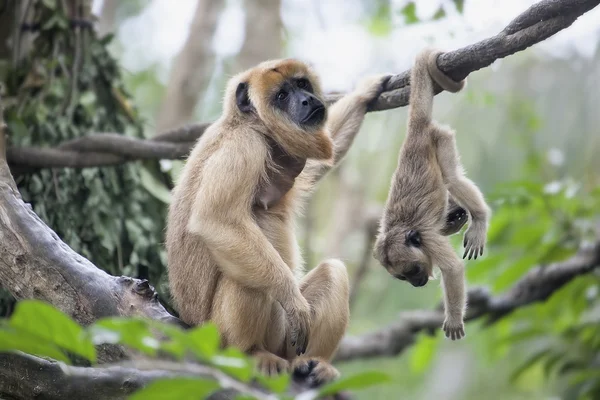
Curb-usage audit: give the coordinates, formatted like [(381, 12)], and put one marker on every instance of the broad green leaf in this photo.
[(204, 340), (177, 389), (423, 353), (52, 326), (358, 381), (154, 186), (235, 363), (276, 384), (410, 13), (51, 4), (439, 14), (14, 340), (132, 332), (460, 5)]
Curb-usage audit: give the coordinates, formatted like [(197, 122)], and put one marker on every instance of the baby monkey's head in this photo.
[(403, 254)]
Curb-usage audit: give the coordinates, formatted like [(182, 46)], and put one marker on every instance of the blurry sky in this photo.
[(332, 34)]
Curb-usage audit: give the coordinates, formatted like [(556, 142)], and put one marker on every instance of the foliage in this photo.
[(69, 86), (39, 329)]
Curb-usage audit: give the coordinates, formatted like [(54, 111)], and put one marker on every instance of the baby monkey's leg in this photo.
[(464, 191), (453, 284)]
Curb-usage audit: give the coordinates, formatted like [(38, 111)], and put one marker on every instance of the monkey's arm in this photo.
[(453, 283), (344, 120), (222, 217)]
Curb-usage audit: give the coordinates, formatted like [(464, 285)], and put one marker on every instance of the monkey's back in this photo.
[(418, 187), (193, 274)]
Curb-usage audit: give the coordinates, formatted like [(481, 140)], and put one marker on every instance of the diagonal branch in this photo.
[(535, 286), (534, 25)]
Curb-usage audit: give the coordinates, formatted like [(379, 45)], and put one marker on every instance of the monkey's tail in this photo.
[(423, 73)]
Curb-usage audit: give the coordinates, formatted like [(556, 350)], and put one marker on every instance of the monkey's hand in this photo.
[(371, 87), (474, 240), (298, 319), (454, 328)]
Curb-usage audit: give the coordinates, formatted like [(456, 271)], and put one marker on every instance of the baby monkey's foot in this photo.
[(474, 240), (269, 364), (313, 371), (454, 328)]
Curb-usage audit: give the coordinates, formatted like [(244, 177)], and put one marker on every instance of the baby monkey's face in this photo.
[(404, 258)]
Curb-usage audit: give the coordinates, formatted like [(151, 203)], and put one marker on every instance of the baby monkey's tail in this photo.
[(423, 73)]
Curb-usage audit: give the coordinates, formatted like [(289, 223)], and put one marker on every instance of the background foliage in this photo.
[(527, 132), (69, 86)]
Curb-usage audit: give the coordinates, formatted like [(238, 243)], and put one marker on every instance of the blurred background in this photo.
[(528, 130)]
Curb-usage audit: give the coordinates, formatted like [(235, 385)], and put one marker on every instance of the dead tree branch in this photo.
[(536, 24)]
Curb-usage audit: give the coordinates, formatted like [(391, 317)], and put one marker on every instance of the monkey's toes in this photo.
[(270, 364), (313, 371), (454, 331)]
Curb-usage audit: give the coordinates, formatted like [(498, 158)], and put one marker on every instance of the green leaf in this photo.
[(14, 340), (154, 186), (132, 332), (460, 5), (423, 353), (204, 340), (358, 381), (52, 326), (235, 363), (51, 4), (439, 14), (177, 389), (410, 13), (276, 384)]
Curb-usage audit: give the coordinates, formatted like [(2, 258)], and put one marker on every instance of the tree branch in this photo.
[(537, 23), (56, 381), (535, 286)]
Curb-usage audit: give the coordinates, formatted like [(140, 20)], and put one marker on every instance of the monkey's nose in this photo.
[(420, 281)]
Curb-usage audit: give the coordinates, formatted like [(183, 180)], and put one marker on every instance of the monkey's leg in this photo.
[(245, 318), (464, 191), (326, 288), (453, 284)]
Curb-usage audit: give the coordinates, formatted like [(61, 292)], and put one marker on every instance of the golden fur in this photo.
[(428, 170), (233, 257)]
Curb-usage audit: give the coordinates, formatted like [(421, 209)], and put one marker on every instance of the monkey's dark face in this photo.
[(296, 99), (403, 257)]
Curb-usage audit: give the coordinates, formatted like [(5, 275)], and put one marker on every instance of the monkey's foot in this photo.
[(269, 364), (454, 329), (313, 371), (455, 220), (474, 241)]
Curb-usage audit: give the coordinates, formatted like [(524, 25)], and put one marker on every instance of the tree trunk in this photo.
[(192, 69), (264, 28)]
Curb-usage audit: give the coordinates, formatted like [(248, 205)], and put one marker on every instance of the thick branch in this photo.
[(537, 23), (53, 380), (535, 286)]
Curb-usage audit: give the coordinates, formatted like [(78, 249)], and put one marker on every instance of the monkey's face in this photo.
[(404, 257), (286, 97)]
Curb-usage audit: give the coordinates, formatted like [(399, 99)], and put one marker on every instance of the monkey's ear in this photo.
[(242, 99)]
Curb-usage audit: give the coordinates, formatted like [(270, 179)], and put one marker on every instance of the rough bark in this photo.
[(537, 23), (193, 67)]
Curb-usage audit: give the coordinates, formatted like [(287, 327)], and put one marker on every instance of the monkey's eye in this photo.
[(413, 238), (302, 83), (281, 95)]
